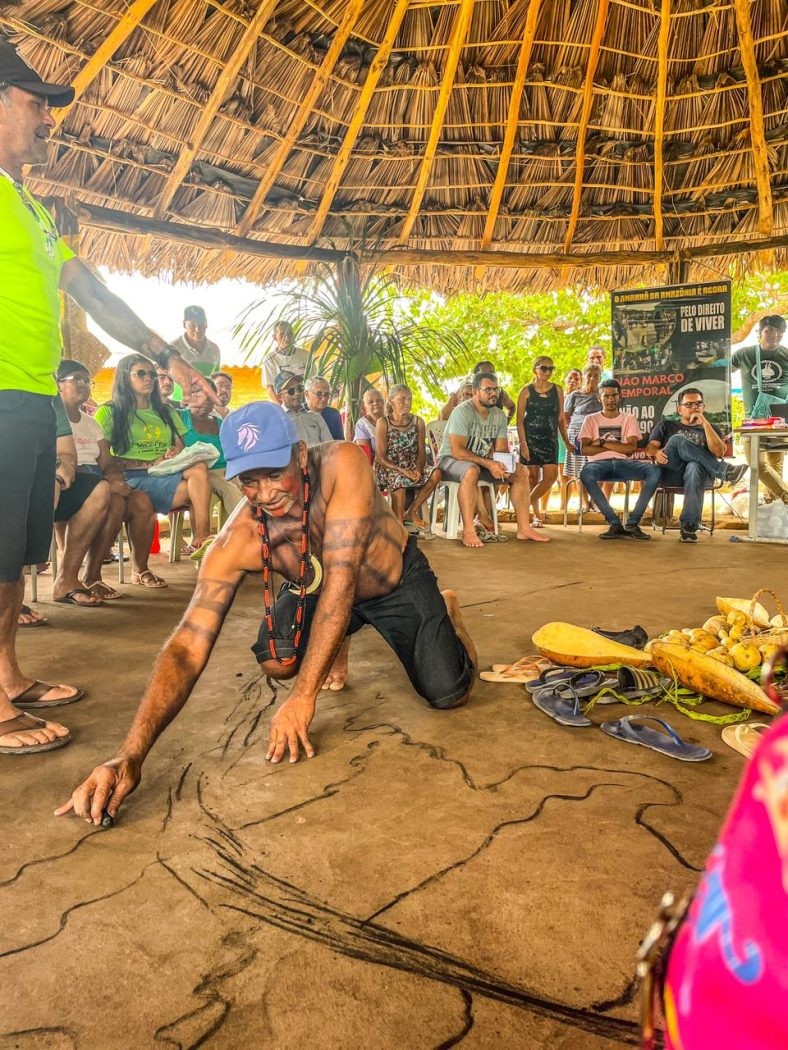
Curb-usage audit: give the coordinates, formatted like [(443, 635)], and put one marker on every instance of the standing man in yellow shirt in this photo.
[(35, 264)]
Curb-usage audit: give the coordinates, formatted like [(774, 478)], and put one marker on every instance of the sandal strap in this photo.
[(671, 732), (21, 723)]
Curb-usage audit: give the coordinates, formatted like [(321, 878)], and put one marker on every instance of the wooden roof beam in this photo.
[(223, 85), (760, 152), (459, 34), (342, 159), (512, 117), (585, 113), (659, 122), (124, 27), (114, 221), (349, 19)]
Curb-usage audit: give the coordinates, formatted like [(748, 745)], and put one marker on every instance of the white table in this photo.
[(758, 436)]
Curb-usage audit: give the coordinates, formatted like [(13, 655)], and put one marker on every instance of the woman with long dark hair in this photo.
[(142, 430), (540, 419)]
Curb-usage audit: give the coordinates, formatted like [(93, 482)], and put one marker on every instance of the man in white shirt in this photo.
[(286, 357), (194, 346), (312, 428), (609, 438)]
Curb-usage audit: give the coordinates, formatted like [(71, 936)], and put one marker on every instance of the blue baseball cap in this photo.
[(259, 436)]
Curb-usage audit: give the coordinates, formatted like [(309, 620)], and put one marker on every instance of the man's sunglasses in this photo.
[(144, 373), (319, 393), (293, 390)]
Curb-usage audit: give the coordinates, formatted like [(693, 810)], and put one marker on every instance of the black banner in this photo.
[(668, 339)]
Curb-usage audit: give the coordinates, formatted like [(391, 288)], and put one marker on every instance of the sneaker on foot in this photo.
[(615, 532), (688, 535), (735, 472), (637, 533)]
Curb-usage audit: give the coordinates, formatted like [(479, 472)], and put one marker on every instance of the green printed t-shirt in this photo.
[(482, 432), (774, 373), (32, 255), (150, 435)]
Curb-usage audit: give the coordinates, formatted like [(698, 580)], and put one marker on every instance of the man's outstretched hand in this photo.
[(103, 791), (187, 378), (289, 727)]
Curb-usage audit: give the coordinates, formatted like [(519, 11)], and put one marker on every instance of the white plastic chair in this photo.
[(449, 528)]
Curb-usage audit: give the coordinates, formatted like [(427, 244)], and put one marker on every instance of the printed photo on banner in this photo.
[(667, 339)]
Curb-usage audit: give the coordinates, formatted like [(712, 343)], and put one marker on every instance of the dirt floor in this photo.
[(476, 878)]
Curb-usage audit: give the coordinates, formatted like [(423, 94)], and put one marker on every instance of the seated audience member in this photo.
[(285, 357), (318, 395), (125, 504), (690, 452), (475, 431), (401, 457), (81, 505), (464, 392), (311, 426), (609, 438), (166, 387), (202, 425), (577, 405), (142, 430), (364, 435), (223, 382), (193, 344), (504, 402)]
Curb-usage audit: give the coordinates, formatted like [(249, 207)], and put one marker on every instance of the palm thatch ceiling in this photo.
[(568, 129)]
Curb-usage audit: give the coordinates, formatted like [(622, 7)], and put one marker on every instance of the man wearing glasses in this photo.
[(475, 431), (318, 395), (312, 428), (690, 452)]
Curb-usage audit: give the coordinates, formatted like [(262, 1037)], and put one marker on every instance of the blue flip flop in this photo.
[(631, 731), (562, 710), (551, 676)]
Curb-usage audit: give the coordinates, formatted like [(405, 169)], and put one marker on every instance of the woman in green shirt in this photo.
[(142, 431)]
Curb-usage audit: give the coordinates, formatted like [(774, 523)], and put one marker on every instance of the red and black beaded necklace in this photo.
[(262, 528)]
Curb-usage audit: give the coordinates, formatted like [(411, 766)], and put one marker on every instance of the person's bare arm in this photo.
[(421, 454), (562, 420), (522, 403), (348, 527), (508, 407), (66, 452), (714, 442), (175, 673), (119, 320), (460, 450), (382, 444)]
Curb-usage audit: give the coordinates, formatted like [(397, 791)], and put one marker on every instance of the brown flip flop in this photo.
[(22, 723), (33, 697), (27, 611), (69, 599)]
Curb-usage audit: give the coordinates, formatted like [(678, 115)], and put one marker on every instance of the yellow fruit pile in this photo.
[(736, 636)]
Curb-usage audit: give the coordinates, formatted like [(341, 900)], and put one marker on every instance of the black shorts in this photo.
[(413, 619), (72, 498), (27, 480)]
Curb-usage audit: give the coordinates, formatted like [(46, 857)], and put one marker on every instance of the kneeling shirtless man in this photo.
[(316, 517)]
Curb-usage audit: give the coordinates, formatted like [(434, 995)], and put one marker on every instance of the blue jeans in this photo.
[(599, 470), (692, 468)]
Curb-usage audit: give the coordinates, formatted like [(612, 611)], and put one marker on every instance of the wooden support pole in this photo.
[(512, 116), (223, 85), (659, 123), (349, 19), (374, 73), (211, 239), (459, 34), (760, 152), (124, 27), (585, 113)]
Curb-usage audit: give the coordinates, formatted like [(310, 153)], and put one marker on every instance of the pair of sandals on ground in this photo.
[(37, 697)]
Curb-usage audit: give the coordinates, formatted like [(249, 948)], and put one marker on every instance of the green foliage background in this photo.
[(512, 330)]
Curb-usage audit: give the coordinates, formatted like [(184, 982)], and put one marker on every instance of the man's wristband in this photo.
[(162, 359)]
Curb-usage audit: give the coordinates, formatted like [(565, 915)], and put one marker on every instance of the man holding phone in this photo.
[(690, 451)]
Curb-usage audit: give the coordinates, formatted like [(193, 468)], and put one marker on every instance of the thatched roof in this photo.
[(561, 127)]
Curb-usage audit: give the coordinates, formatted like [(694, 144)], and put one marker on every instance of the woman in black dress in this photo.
[(540, 419)]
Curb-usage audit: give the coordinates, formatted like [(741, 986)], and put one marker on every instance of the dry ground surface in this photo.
[(476, 878)]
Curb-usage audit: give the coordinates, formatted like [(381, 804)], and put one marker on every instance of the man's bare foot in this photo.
[(527, 533), (337, 676), (73, 592), (419, 521), (471, 539), (455, 615)]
